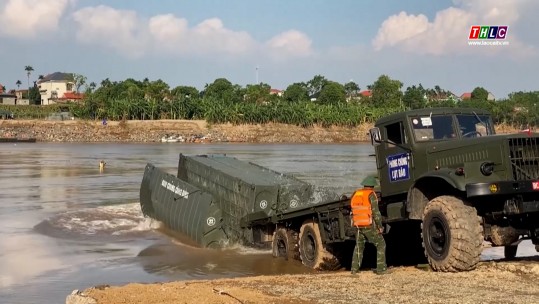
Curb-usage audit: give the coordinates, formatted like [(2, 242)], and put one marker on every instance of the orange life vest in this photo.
[(361, 208)]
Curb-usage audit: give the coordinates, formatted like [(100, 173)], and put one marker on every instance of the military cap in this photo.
[(369, 181)]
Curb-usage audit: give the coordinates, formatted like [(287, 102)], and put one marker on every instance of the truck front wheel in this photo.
[(452, 234), (311, 249)]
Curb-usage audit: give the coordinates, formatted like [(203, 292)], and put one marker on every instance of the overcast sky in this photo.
[(195, 42)]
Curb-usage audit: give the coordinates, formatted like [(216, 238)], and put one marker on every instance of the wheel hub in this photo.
[(438, 237), (309, 247)]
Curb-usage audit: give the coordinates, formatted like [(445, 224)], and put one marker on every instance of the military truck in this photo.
[(447, 184)]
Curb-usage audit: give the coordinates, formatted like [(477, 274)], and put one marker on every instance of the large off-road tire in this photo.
[(503, 236), (452, 234), (285, 244), (311, 249)]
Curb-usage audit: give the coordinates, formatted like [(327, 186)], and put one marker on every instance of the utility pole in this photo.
[(257, 75)]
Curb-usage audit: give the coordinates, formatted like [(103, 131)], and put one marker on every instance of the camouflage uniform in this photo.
[(372, 235)]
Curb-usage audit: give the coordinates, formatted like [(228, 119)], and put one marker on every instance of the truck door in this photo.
[(393, 160)]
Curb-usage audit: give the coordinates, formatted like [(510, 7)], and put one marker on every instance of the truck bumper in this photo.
[(503, 188)]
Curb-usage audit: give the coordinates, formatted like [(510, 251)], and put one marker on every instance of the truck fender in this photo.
[(429, 186)]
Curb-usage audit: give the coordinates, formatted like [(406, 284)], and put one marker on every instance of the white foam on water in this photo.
[(241, 249), (210, 266), (104, 220), (147, 224)]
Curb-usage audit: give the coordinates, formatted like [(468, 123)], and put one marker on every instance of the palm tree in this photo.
[(18, 83), (28, 70)]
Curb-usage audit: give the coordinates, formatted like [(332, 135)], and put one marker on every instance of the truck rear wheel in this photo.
[(311, 249), (452, 234), (284, 244)]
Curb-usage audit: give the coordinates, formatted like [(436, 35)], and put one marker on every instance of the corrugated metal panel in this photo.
[(182, 207)]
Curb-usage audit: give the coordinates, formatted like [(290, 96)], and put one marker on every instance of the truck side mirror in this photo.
[(376, 138)]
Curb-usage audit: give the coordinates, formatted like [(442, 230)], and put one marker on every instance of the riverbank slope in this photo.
[(191, 130)]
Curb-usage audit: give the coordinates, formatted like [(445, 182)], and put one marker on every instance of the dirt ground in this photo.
[(492, 282)]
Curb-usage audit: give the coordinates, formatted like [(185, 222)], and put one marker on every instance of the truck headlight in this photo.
[(487, 168)]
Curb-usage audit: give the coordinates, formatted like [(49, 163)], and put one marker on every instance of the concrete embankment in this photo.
[(191, 130)]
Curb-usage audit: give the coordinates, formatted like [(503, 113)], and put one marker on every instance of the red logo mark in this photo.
[(535, 185)]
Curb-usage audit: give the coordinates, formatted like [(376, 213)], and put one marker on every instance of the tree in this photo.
[(479, 94), (386, 92), (258, 93), (79, 80), (185, 91), (222, 90), (28, 70), (351, 88), (34, 96), (92, 86), (18, 83), (157, 89), (106, 82), (296, 92), (332, 93), (316, 84), (415, 97)]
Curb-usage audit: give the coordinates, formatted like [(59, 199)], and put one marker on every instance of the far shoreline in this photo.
[(191, 131)]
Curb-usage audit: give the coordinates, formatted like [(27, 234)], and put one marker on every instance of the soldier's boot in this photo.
[(383, 271)]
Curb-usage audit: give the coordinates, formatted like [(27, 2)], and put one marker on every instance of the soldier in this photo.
[(368, 220), (102, 164)]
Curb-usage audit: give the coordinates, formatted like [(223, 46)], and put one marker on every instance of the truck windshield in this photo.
[(473, 125), (433, 127)]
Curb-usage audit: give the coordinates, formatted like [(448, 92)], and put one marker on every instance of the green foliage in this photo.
[(351, 88), (258, 93), (479, 94), (79, 80), (224, 102), (185, 91), (296, 92), (415, 97), (386, 92), (332, 93), (222, 90), (315, 85)]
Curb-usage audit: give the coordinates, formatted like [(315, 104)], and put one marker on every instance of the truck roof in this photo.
[(429, 111)]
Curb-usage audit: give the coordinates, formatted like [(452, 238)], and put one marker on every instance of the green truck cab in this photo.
[(448, 169)]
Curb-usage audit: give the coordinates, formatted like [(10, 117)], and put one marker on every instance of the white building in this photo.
[(53, 87)]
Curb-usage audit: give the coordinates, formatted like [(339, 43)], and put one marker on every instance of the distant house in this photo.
[(71, 96), (465, 96), (366, 94), (53, 88), (1, 88), (276, 92), (8, 99), (468, 95)]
